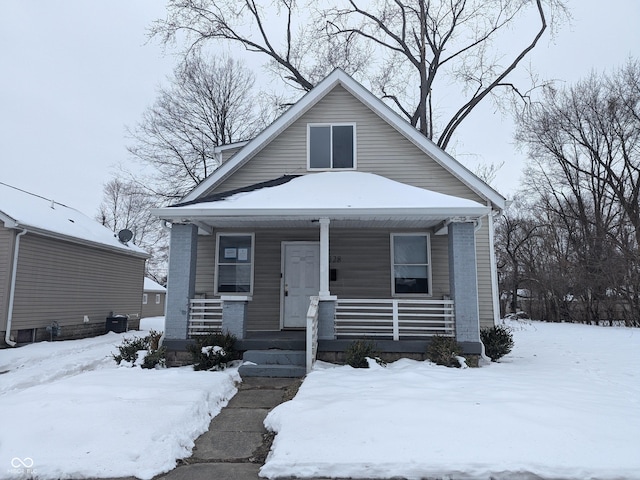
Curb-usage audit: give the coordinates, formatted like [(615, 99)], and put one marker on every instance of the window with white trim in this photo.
[(144, 298), (157, 299), (410, 264), (331, 146), (234, 263)]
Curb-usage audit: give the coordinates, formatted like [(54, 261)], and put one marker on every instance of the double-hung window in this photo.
[(234, 263), (331, 146), (411, 265)]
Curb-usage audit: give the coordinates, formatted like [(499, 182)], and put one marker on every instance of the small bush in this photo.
[(444, 350), (497, 340), (130, 348), (358, 352), (214, 351)]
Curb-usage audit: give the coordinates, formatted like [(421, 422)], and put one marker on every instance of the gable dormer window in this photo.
[(331, 146)]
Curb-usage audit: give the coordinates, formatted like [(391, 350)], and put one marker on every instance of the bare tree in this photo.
[(418, 54), (208, 103), (584, 143), (127, 205)]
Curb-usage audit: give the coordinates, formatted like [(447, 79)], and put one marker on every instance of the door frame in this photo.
[(283, 246)]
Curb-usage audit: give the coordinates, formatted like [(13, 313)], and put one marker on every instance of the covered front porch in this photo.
[(318, 276)]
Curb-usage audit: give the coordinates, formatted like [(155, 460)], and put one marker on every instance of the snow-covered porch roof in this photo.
[(347, 198)]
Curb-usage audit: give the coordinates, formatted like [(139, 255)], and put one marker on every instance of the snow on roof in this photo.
[(21, 209), (334, 191), (151, 286)]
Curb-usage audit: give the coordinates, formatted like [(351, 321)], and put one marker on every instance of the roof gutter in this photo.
[(12, 292)]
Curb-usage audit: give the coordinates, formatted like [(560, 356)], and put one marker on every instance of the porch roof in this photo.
[(347, 197)]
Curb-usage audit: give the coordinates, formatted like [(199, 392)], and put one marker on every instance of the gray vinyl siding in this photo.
[(485, 291), (361, 258), (380, 149), (7, 238), (63, 282), (153, 309)]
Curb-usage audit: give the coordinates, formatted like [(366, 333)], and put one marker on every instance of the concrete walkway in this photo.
[(236, 444)]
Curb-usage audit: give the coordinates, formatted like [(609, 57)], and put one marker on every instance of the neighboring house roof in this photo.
[(354, 195), (339, 77), (152, 287), (23, 210)]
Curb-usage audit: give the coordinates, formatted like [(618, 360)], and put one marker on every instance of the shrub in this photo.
[(358, 352), (444, 350), (497, 340), (214, 351), (130, 348)]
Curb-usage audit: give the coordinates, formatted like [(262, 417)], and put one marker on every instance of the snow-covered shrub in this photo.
[(444, 350), (143, 351), (497, 340), (214, 351), (358, 352)]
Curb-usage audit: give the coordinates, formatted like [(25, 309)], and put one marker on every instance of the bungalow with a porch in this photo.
[(340, 221)]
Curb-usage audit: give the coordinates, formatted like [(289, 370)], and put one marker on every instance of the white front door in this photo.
[(300, 281)]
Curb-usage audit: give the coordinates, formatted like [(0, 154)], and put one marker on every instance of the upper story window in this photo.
[(411, 265), (331, 146)]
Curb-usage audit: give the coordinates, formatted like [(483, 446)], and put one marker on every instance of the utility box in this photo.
[(117, 323)]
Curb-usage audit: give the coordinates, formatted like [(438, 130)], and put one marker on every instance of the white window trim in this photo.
[(217, 251), (145, 298), (157, 299), (429, 276), (331, 169)]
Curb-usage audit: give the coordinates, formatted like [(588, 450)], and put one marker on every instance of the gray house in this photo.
[(153, 299), (338, 222), (59, 268)]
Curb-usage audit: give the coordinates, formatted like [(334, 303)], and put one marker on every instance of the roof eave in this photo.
[(183, 215), (79, 241)]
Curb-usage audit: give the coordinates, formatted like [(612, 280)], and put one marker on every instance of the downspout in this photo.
[(12, 292)]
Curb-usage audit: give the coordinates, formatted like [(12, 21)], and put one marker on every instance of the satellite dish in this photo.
[(125, 235)]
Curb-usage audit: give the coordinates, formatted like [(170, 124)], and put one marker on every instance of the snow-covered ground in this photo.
[(564, 404), (68, 411)]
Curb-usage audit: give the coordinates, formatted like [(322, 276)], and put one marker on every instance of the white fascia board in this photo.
[(9, 222), (180, 215)]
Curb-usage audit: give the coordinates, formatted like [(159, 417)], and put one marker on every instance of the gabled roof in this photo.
[(152, 286), (339, 77), (23, 210)]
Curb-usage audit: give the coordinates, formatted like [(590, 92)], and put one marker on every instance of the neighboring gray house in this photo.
[(340, 221), (153, 299), (58, 265)]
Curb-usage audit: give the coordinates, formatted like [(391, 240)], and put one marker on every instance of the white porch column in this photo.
[(324, 258)]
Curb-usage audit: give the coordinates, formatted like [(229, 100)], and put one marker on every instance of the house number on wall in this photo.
[(335, 259)]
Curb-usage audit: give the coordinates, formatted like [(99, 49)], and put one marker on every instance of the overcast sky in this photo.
[(76, 72)]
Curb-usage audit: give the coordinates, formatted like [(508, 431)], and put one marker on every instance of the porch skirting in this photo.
[(328, 350)]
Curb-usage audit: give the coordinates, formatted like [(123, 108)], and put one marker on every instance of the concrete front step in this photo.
[(275, 357), (274, 363), (273, 370)]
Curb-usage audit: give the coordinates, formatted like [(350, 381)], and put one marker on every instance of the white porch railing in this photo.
[(205, 316), (312, 332), (394, 318)]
